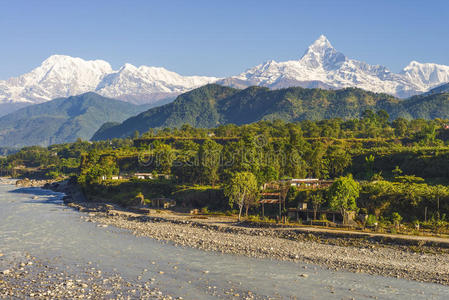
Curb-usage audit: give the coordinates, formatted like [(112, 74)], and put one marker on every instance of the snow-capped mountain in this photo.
[(426, 76), (147, 84), (323, 66), (57, 76), (63, 76)]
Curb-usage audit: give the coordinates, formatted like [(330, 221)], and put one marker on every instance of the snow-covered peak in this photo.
[(141, 84), (426, 75), (320, 66), (321, 43), (65, 62), (322, 54), (62, 76), (128, 68), (323, 66), (57, 76)]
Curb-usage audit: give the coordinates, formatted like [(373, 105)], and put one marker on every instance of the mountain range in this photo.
[(321, 66), (324, 67), (62, 120), (64, 76), (90, 115), (213, 105)]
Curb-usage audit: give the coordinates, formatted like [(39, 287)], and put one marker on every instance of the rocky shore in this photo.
[(32, 182), (23, 276), (366, 257), (418, 260)]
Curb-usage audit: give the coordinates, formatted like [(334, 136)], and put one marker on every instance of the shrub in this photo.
[(371, 220)]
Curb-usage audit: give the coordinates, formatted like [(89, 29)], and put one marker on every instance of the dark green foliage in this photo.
[(400, 165), (201, 196), (409, 199), (213, 105), (196, 108), (126, 192)]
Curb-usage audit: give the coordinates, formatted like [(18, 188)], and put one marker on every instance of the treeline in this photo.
[(269, 149), (402, 165), (274, 150)]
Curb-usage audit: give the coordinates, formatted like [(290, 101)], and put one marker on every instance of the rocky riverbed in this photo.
[(24, 276), (367, 257), (32, 182)]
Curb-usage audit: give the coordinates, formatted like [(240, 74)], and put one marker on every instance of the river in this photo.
[(35, 221)]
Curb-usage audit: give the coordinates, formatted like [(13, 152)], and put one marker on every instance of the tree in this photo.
[(397, 171), (400, 126), (382, 117), (439, 193), (140, 199), (396, 217), (316, 200), (243, 190), (316, 162), (338, 160), (369, 165), (164, 158), (343, 194), (210, 155), (95, 167)]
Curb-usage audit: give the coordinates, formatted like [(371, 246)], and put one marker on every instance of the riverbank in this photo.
[(23, 276), (421, 263), (418, 259)]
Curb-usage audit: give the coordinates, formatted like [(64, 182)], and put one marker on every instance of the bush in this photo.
[(371, 220), (140, 199)]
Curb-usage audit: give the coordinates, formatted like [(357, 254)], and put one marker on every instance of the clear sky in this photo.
[(219, 38)]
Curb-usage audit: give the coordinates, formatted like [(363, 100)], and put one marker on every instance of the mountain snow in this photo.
[(144, 84), (321, 66), (426, 76), (63, 76)]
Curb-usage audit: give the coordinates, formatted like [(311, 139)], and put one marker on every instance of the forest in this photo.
[(391, 172)]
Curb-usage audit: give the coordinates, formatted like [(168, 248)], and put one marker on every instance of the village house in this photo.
[(144, 175), (310, 183), (152, 176)]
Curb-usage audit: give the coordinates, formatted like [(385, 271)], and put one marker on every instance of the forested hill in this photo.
[(62, 120), (213, 105)]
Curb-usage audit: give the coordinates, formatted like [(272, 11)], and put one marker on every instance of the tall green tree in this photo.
[(338, 159), (165, 156), (343, 194), (316, 199), (243, 190), (210, 158)]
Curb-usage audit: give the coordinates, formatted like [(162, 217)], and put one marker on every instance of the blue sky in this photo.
[(219, 38)]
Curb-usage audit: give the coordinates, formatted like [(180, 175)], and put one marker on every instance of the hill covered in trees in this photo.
[(62, 120), (401, 167), (213, 105)]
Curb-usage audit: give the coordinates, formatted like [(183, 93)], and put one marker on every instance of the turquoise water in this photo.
[(35, 221)]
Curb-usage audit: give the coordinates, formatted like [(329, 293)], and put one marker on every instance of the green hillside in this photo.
[(62, 120), (213, 105)]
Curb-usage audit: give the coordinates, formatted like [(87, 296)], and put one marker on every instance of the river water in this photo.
[(35, 221)]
